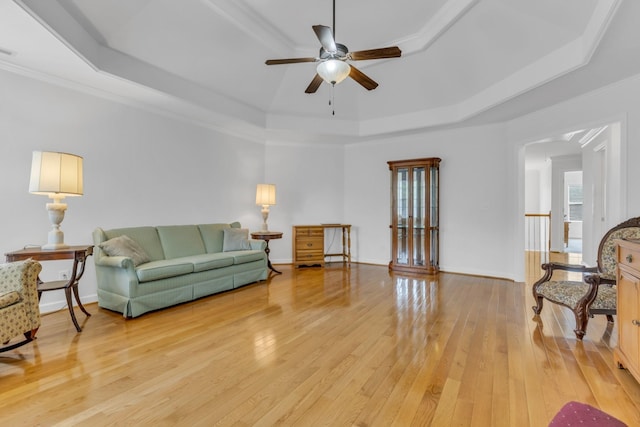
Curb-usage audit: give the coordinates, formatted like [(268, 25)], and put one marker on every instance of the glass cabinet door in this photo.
[(433, 217), (402, 215), (419, 216), (414, 212)]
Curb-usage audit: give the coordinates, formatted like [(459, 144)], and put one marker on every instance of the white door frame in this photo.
[(616, 182)]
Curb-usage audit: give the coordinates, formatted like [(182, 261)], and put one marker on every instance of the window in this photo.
[(575, 202)]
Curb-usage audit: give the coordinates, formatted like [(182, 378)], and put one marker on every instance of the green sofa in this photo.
[(173, 264)]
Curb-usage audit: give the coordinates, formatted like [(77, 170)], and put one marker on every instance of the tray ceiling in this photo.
[(204, 59)]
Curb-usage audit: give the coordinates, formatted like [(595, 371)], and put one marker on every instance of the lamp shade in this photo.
[(333, 70), (56, 173), (266, 194)]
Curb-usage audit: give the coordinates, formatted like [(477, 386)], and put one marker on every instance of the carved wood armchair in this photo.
[(596, 293), (19, 309)]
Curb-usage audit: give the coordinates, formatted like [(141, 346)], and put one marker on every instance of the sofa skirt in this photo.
[(236, 277)]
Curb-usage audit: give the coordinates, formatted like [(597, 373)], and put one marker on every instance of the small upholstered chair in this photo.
[(19, 309), (596, 293)]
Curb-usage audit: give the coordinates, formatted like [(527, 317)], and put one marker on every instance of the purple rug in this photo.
[(583, 415)]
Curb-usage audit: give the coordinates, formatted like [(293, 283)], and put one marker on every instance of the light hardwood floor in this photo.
[(328, 346)]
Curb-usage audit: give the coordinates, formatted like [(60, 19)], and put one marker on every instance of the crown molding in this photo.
[(176, 108), (241, 15), (448, 15)]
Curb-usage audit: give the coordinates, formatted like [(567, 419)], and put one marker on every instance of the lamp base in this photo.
[(265, 216), (55, 238)]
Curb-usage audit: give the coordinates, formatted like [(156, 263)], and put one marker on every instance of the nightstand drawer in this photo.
[(310, 232), (309, 257), (302, 255), (629, 257), (309, 243)]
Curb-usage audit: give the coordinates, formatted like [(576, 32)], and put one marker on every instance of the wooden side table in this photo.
[(266, 236), (78, 254)]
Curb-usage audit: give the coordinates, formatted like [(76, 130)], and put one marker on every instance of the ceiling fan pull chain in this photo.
[(332, 101)]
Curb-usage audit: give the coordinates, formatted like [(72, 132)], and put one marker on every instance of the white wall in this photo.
[(532, 191), (482, 180), (537, 201), (139, 169), (538, 189), (600, 164), (310, 181), (143, 168), (473, 185)]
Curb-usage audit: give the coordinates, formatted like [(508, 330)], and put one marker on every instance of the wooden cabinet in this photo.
[(308, 245), (415, 215), (627, 354)]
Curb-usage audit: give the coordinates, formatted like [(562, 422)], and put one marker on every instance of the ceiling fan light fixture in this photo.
[(333, 71)]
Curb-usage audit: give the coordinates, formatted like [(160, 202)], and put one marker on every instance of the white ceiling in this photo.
[(464, 61)]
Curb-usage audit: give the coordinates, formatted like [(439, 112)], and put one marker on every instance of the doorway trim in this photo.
[(619, 178)]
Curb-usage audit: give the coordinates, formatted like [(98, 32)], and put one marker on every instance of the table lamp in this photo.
[(265, 197), (57, 175)]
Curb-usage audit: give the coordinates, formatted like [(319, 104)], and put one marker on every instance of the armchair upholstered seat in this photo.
[(596, 293), (19, 310)]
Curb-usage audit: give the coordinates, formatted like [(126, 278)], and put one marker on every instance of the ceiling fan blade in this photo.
[(314, 85), (385, 52), (325, 35), (288, 61), (362, 78)]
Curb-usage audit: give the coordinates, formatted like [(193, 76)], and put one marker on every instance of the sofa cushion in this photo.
[(163, 269), (241, 257), (235, 239), (125, 246), (180, 240), (210, 261), (146, 237), (213, 235)]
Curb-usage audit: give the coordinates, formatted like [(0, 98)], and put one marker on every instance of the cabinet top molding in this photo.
[(429, 161)]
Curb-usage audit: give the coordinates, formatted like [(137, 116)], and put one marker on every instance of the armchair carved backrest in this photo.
[(19, 309), (596, 293), (607, 262)]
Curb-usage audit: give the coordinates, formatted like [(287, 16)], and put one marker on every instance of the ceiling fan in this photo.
[(333, 67)]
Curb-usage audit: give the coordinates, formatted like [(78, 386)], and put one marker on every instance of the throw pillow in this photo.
[(125, 246), (235, 239)]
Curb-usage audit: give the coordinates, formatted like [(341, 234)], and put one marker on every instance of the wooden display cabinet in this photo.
[(415, 215)]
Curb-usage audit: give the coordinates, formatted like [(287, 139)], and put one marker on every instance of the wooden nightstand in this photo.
[(308, 245)]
